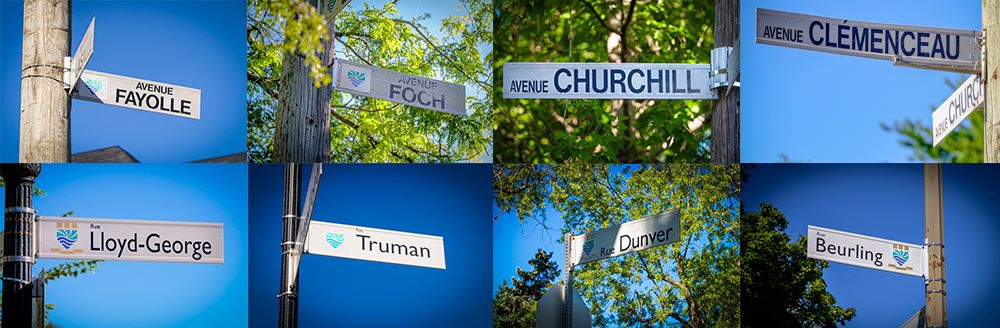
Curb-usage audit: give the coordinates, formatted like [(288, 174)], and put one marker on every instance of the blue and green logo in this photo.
[(588, 246), (94, 85), (335, 239), (66, 237), (900, 256), (356, 77)]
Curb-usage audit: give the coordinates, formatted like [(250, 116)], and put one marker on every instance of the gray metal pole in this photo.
[(18, 255), (38, 300), (45, 103), (934, 238), (568, 283), (288, 302)]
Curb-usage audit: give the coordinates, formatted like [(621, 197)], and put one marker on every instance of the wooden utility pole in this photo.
[(288, 299), (991, 79), (934, 238), (45, 103), (725, 147), (302, 122), (18, 252)]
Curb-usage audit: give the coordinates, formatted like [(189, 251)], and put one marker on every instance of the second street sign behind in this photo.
[(607, 81), (866, 251), (628, 237), (969, 96), (139, 94), (130, 240), (370, 244), (406, 89), (912, 44)]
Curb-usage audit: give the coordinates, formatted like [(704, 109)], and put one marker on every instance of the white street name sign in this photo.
[(628, 237), (331, 8), (607, 81), (157, 97), (370, 244), (82, 55), (865, 251), (912, 44), (966, 99), (406, 89), (130, 240)]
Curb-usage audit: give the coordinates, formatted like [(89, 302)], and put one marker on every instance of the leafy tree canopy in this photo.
[(779, 285), (514, 304)]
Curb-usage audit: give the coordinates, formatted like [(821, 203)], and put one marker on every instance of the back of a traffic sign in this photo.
[(549, 312)]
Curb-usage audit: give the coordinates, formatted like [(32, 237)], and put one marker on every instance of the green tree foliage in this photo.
[(780, 286), (693, 283), (963, 145), (601, 131), (364, 129), (514, 305)]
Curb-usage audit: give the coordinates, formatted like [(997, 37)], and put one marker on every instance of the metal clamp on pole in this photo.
[(718, 76), (19, 209), (289, 293), (25, 282), (17, 258), (934, 244), (927, 281), (936, 291)]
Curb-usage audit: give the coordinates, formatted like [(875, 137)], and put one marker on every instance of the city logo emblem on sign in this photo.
[(96, 86), (901, 254), (335, 239), (66, 235), (356, 77), (588, 246)]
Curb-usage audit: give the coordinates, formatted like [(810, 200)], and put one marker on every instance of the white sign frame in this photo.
[(606, 243), (545, 81), (795, 30), (967, 98), (916, 254), (347, 241), (76, 244)]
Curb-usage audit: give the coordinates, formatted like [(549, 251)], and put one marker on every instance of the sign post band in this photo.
[(926, 47), (865, 251), (130, 240), (607, 81)]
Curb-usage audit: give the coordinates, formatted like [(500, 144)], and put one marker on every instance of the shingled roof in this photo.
[(113, 154)]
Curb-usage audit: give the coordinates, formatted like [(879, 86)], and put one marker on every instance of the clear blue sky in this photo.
[(449, 200), (886, 201), (151, 294), (195, 44), (821, 107)]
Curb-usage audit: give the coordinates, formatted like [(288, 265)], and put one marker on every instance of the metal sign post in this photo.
[(18, 258)]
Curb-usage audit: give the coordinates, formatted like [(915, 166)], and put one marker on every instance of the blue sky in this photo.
[(195, 44), (886, 201), (151, 294), (449, 200), (821, 107)]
